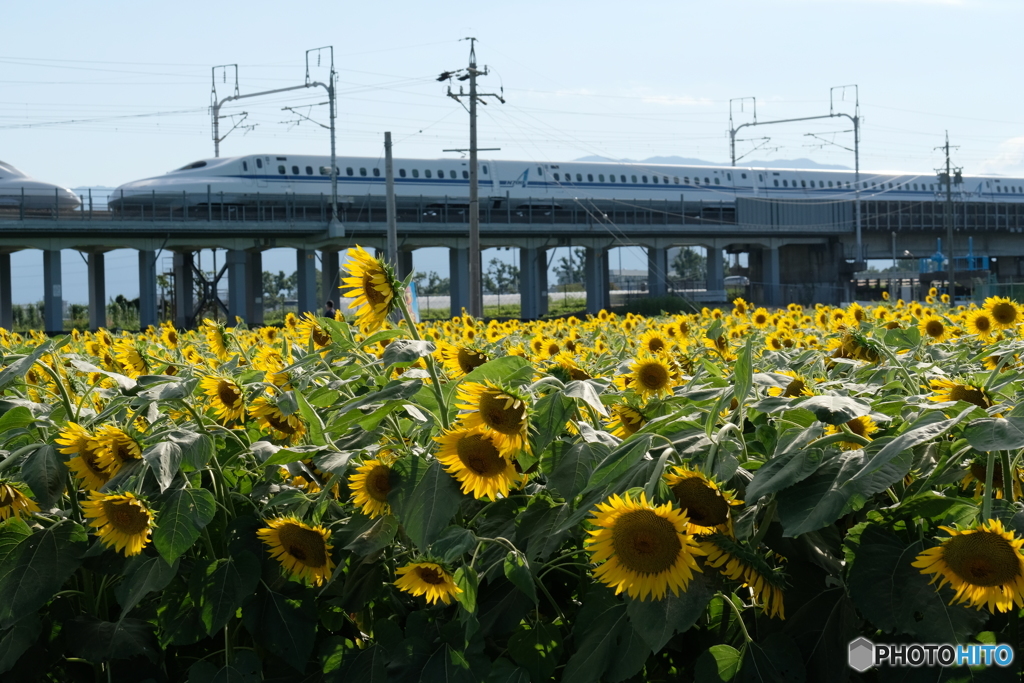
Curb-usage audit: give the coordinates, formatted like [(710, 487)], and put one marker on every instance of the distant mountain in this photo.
[(686, 161)]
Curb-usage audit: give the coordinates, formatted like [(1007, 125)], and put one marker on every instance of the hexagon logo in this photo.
[(862, 655)]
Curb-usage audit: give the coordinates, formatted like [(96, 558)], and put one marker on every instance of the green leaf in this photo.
[(658, 620), (18, 368), (143, 574), (572, 470), (453, 543), (587, 391), (17, 417), (834, 410), (285, 626), (517, 570), (504, 671), (17, 640), (100, 641), (548, 420), (599, 628), (287, 456), (776, 659), (511, 371), (537, 649), (377, 537), (45, 474), (782, 471), (366, 667), (537, 528), (896, 596), (466, 579), (33, 567), (396, 390), (743, 372), (446, 666), (181, 518), (178, 620), (424, 499), (618, 462), (995, 434), (406, 351), (196, 449), (164, 459), (219, 587), (717, 663), (167, 389), (312, 420)]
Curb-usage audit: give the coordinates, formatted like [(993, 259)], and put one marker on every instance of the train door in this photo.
[(261, 171), (742, 182)]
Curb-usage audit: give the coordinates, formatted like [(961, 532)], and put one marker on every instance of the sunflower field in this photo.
[(733, 495)]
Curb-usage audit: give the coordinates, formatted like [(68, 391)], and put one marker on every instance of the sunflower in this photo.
[(626, 420), (739, 563), (707, 506), (370, 486), (372, 284), (216, 338), (123, 522), (499, 410), (862, 426), (654, 342), (272, 418), (428, 579), (980, 322), (885, 296), (653, 375), (566, 363), (641, 548), (935, 328), (460, 360), (760, 318), (1005, 313), (984, 565), (796, 387), (169, 337), (14, 502), (976, 474), (131, 358), (948, 390), (226, 397), (472, 456), (113, 449), (310, 329), (85, 466), (302, 550)]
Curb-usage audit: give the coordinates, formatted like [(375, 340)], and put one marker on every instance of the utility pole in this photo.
[(476, 304), (946, 177), (389, 176)]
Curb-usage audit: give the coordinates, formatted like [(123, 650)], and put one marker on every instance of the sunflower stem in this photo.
[(739, 616), (986, 503), (1008, 476), (64, 396)]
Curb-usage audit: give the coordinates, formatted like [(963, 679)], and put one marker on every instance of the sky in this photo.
[(99, 98)]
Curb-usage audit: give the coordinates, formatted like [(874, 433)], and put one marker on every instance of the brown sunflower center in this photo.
[(760, 319), (430, 575), (228, 393), (378, 483), (126, 516), (502, 412), (934, 328), (703, 504), (982, 323), (121, 449), (480, 455), (469, 360), (982, 558), (631, 420), (645, 542), (858, 426), (370, 292), (655, 345), (1004, 313), (91, 461), (962, 392), (653, 376), (794, 388), (978, 471), (305, 545), (320, 336)]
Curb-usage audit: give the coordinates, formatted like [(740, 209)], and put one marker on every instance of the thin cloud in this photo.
[(1008, 159)]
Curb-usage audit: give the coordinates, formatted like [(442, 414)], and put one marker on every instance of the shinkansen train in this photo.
[(307, 179), (19, 190)]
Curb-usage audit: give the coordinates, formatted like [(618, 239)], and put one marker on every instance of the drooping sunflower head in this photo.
[(312, 331), (626, 420), (566, 366), (1005, 313), (473, 457), (14, 501), (302, 550), (122, 521), (370, 485), (428, 579), (373, 285), (225, 397), (653, 376), (268, 413), (641, 548), (797, 386), (216, 338), (741, 563), (85, 466), (460, 359), (132, 357), (114, 448), (983, 564), (948, 390), (977, 472), (707, 506), (498, 409), (863, 426)]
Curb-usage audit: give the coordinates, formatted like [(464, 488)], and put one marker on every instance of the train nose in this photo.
[(69, 199)]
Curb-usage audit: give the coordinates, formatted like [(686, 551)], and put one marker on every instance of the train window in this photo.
[(742, 175), (830, 183), (440, 174), (776, 182), (612, 177), (453, 175), (280, 169), (579, 177), (803, 183), (362, 172), (933, 187), (716, 182), (675, 179), (426, 173), (634, 178), (465, 175), (785, 183), (259, 163), (600, 177), (415, 173), (556, 176), (622, 178), (686, 180), (376, 173), (401, 172), (309, 170), (644, 178), (540, 171), (590, 177), (812, 183), (485, 169), (245, 166), (295, 170), (655, 179), (706, 181), (194, 164), (760, 178), (349, 171), (696, 180), (915, 186)]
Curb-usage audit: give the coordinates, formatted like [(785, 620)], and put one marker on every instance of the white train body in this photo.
[(302, 179), (18, 189)]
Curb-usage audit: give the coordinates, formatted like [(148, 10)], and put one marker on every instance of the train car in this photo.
[(304, 179), (20, 191)]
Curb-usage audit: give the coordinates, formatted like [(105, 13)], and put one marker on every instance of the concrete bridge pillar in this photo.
[(331, 281), (97, 291), (533, 283), (254, 286), (657, 271), (404, 264), (147, 288), (595, 272), (184, 290), (458, 278), (6, 300), (772, 282), (53, 294), (715, 278), (237, 296), (305, 267)]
